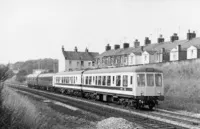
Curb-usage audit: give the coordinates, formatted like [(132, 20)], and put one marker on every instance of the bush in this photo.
[(17, 111), (182, 85)]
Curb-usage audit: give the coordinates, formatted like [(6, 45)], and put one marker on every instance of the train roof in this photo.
[(32, 75), (69, 73), (123, 69), (46, 75)]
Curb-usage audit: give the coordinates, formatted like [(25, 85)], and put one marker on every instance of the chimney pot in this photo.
[(136, 43), (147, 41), (126, 45), (108, 47), (174, 37), (161, 39), (86, 50), (116, 46), (75, 49)]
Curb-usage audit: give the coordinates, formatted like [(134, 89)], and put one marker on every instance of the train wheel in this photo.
[(151, 105)]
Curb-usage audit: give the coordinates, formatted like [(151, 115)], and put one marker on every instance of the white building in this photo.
[(177, 53), (193, 52), (75, 60), (134, 58), (148, 57)]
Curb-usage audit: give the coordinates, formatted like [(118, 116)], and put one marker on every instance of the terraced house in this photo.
[(173, 50), (76, 60)]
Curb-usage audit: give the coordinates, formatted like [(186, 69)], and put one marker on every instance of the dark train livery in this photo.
[(133, 86)]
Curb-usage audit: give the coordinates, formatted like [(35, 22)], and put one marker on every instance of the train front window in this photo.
[(158, 79), (141, 79), (150, 80)]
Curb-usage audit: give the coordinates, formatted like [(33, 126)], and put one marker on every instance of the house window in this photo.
[(70, 62), (174, 56), (192, 52), (77, 63), (82, 63), (89, 63), (131, 59), (145, 57)]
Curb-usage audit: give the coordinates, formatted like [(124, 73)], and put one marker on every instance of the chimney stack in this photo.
[(161, 39), (108, 47), (142, 48), (116, 46), (86, 50), (126, 45), (136, 43), (147, 41), (179, 47), (174, 37), (75, 49), (63, 49), (193, 34)]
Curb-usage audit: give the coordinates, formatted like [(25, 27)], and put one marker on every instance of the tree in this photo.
[(5, 73), (21, 75)]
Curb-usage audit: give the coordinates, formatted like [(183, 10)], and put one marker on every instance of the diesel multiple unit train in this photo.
[(133, 86)]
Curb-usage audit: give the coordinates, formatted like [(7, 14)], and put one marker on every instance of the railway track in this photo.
[(148, 120)]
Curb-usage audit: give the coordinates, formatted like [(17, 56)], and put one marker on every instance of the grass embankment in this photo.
[(20, 112), (182, 85)]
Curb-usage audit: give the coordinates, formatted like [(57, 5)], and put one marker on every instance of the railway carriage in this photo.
[(45, 81), (137, 86), (68, 82), (32, 80)]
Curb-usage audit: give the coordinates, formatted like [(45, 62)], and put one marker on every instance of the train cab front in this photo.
[(149, 88)]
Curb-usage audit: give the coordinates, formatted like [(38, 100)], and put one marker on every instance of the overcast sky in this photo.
[(32, 29)]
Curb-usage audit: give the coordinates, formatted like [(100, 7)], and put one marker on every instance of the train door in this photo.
[(150, 84), (159, 90), (140, 84)]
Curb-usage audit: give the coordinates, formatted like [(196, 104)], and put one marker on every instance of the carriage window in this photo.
[(99, 80), (93, 79), (125, 80), (108, 80), (141, 80), (86, 81), (118, 80), (96, 81), (150, 80), (131, 79), (82, 80), (104, 80), (90, 79), (113, 79), (158, 78)]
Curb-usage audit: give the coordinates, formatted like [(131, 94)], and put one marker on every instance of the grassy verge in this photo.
[(182, 85), (21, 112)]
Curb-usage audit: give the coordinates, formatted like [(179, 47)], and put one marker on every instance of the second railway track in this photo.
[(144, 119)]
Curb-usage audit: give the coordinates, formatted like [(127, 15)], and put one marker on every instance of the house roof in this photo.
[(122, 51), (73, 55), (155, 47)]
